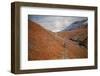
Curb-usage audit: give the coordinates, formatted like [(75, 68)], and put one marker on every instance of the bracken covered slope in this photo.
[(45, 45), (75, 43), (42, 45)]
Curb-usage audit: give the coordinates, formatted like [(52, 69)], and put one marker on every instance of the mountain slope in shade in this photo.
[(76, 25), (42, 45)]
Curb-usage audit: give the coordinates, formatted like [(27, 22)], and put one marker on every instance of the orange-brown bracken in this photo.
[(44, 45)]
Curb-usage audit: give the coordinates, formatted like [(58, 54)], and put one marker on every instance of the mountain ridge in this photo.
[(76, 25)]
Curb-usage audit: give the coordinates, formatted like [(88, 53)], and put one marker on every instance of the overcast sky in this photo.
[(54, 23)]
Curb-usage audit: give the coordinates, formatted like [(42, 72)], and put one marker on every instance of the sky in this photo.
[(54, 23)]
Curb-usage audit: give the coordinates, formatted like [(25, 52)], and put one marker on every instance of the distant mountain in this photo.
[(77, 24)]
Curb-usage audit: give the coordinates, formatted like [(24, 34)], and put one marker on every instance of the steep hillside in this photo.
[(41, 44)]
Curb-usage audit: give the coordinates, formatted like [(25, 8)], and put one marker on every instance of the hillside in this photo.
[(44, 44), (75, 43)]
